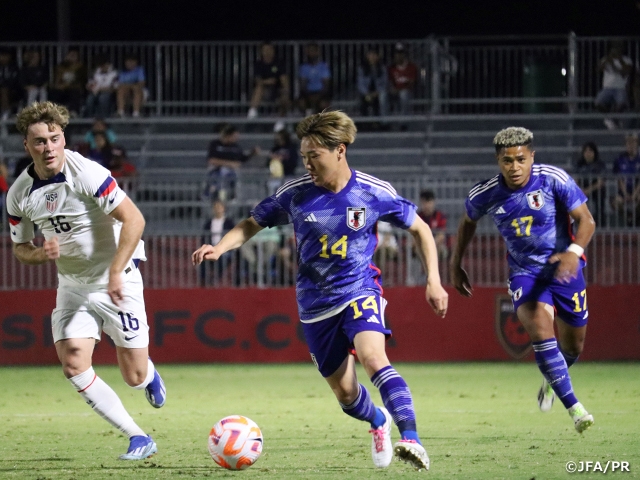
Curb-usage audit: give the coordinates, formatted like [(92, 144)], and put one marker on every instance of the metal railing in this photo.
[(456, 74)]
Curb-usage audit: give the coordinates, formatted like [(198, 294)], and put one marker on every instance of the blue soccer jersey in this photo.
[(534, 220), (336, 237)]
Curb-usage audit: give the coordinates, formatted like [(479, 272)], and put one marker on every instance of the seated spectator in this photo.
[(8, 83), (615, 68), (271, 82), (626, 203), (225, 158), (590, 167), (315, 85), (436, 221), (100, 90), (120, 166), (131, 82), (99, 126), (69, 82), (214, 229), (102, 152), (283, 161), (403, 75), (372, 85), (386, 252), (33, 78)]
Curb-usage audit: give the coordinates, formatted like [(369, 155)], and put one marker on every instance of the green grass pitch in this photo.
[(477, 421)]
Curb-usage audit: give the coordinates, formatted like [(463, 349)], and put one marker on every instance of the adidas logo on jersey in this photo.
[(373, 319), (311, 218), (500, 211)]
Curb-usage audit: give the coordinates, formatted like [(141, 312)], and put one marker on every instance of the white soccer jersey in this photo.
[(74, 206)]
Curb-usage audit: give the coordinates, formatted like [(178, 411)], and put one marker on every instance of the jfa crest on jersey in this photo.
[(335, 248), (534, 220), (356, 217)]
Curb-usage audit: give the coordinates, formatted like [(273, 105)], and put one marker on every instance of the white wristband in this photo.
[(577, 249)]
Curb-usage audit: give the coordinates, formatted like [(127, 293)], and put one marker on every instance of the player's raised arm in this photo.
[(234, 238), (437, 297), (459, 278)]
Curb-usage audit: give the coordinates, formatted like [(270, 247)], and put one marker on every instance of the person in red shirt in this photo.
[(436, 220), (403, 75), (119, 165)]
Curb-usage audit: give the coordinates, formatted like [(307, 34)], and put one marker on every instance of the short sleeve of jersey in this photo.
[(569, 194), (21, 228), (398, 211), (270, 213), (96, 182), (475, 210)]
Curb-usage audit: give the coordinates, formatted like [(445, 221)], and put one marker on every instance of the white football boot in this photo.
[(582, 420), (381, 448), (546, 396), (411, 452)]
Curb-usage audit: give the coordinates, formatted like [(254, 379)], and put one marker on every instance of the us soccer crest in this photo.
[(356, 217), (510, 332), (535, 200), (51, 200)]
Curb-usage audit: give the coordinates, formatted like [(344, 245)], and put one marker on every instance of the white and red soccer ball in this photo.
[(235, 442)]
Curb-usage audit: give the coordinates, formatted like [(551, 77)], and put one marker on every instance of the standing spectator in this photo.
[(372, 85), (225, 158), (99, 126), (403, 75), (436, 220), (615, 68), (102, 152), (33, 78), (131, 82), (8, 83), (590, 167), (627, 166), (101, 88), (214, 229), (271, 82), (283, 160), (69, 82), (315, 85)]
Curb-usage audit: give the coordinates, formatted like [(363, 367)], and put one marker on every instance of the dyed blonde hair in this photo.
[(42, 112), (513, 137), (328, 129)]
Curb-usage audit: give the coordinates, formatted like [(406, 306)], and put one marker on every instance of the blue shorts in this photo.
[(569, 299), (331, 340)]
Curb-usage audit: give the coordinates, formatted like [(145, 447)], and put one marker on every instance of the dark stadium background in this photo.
[(288, 20)]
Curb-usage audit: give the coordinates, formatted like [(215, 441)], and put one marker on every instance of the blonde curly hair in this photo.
[(42, 112), (328, 129), (513, 137)]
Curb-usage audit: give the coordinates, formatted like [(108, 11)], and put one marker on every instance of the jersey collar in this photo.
[(38, 183)]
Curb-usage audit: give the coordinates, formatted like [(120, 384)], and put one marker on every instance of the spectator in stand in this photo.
[(131, 82), (372, 85), (99, 126), (315, 82), (615, 68), (590, 168), (33, 78), (271, 82), (283, 160), (120, 166), (214, 229), (8, 83), (627, 165), (69, 82), (225, 158), (403, 75), (101, 88), (102, 152), (436, 221)]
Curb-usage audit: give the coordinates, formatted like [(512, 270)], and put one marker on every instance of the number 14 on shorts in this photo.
[(368, 303)]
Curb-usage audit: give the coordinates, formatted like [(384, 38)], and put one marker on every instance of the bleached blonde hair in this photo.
[(328, 129), (42, 112), (513, 137)]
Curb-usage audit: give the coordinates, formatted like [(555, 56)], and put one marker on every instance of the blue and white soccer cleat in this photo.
[(140, 447), (156, 392), (381, 448), (411, 452), (546, 396)]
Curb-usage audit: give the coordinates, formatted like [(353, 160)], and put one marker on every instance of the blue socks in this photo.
[(363, 409), (568, 358), (553, 366), (397, 399)]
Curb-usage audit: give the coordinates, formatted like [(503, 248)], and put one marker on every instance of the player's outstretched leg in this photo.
[(153, 385), (363, 409), (140, 447), (105, 402), (397, 398), (554, 369)]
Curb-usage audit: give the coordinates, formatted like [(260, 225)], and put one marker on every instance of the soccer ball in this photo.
[(235, 442)]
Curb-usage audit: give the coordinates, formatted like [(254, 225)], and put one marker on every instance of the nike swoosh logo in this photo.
[(130, 338), (111, 200), (13, 232)]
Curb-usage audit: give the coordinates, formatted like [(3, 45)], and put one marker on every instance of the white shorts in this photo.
[(85, 311)]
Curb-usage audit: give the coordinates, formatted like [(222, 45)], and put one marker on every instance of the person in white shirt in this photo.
[(615, 68), (101, 90), (92, 230)]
